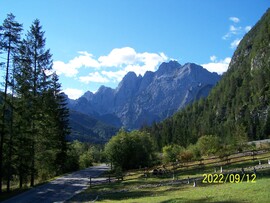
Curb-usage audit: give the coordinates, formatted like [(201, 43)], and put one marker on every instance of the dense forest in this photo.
[(238, 108), (34, 117)]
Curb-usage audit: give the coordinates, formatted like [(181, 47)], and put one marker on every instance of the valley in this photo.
[(155, 129)]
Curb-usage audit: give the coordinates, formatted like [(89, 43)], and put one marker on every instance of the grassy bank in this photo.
[(157, 189)]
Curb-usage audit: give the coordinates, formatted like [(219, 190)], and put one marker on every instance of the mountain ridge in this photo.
[(142, 100)]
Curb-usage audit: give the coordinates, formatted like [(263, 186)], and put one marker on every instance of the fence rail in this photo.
[(188, 166), (227, 160)]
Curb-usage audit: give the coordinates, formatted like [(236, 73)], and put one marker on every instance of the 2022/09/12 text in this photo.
[(229, 178)]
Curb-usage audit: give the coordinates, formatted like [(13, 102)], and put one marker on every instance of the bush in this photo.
[(171, 153), (186, 155), (86, 160), (196, 153), (82, 155), (130, 150), (208, 144), (119, 173)]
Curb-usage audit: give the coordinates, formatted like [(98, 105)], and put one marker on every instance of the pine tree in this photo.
[(34, 124), (55, 128), (24, 112), (61, 117), (10, 40), (32, 83)]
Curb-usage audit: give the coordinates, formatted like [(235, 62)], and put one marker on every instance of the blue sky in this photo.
[(96, 42)]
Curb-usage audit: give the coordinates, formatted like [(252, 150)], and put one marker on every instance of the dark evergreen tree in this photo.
[(10, 40), (58, 115), (34, 124), (32, 82)]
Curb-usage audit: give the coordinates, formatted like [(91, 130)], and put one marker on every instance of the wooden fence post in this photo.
[(90, 181)]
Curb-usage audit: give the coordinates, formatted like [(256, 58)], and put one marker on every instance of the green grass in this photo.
[(150, 190)]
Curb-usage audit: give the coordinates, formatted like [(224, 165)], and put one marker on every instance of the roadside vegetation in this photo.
[(136, 149), (169, 187)]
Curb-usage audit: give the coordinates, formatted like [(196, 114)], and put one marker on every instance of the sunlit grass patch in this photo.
[(163, 190)]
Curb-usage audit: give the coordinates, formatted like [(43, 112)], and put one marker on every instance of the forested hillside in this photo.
[(238, 108), (88, 129), (33, 113)]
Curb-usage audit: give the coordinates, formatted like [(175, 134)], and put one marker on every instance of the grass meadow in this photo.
[(163, 189)]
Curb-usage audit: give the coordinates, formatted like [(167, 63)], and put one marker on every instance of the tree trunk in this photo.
[(3, 120), (9, 175)]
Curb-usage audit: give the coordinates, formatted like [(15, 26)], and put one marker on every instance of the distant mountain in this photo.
[(139, 101), (238, 107), (88, 129)]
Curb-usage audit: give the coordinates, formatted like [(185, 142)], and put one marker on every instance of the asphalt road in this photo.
[(61, 189)]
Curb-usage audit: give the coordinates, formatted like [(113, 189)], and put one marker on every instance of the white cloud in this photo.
[(234, 19), (93, 77), (118, 57), (70, 69), (63, 68), (247, 28), (73, 93), (232, 31), (213, 58), (126, 59), (235, 33), (138, 63), (235, 43), (85, 59), (115, 76), (219, 67), (226, 36)]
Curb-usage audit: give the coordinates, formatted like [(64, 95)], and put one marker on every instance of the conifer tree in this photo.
[(54, 129), (10, 40), (34, 123), (61, 119), (32, 82)]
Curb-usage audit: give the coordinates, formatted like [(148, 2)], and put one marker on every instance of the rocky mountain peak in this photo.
[(130, 82), (142, 100), (130, 76), (103, 89), (167, 68), (88, 95)]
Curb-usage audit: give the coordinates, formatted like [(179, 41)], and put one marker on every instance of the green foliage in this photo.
[(86, 159), (130, 150), (240, 137), (186, 155), (225, 151), (118, 172), (171, 153), (82, 155), (34, 123), (72, 162), (208, 144), (88, 129), (195, 150), (9, 42)]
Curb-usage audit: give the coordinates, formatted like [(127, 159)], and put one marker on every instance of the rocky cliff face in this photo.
[(142, 100)]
